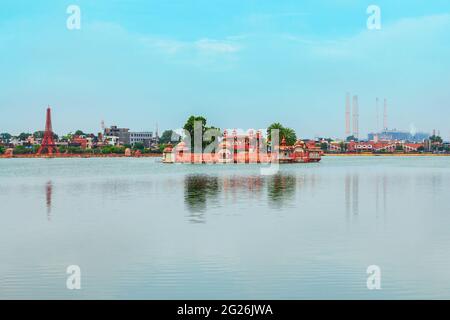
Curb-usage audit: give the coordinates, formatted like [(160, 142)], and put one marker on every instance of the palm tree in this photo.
[(286, 133)]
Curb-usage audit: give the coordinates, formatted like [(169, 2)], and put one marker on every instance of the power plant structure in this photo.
[(355, 117), (386, 134), (377, 128), (347, 116), (351, 105), (352, 116)]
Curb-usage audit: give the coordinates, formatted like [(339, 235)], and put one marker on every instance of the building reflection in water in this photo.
[(355, 195), (280, 189), (352, 202), (351, 196), (347, 197), (203, 190), (197, 190), (48, 198), (381, 196), (385, 186), (377, 196), (235, 184)]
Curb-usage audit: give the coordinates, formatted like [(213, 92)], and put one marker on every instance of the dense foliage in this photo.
[(286, 133), (190, 126), (169, 136), (5, 136)]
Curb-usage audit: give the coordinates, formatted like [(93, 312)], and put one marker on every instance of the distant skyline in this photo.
[(239, 63)]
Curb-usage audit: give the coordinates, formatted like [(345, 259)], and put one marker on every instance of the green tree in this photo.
[(67, 137), (24, 136), (38, 134), (75, 150), (286, 133), (22, 150), (112, 149), (5, 136), (161, 147), (79, 133), (107, 149), (351, 138), (189, 126), (2, 149), (436, 139), (139, 146), (169, 136), (119, 150), (35, 148)]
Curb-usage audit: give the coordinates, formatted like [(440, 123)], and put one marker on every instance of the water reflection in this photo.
[(281, 189), (355, 195), (234, 184), (351, 196), (198, 189), (48, 198), (145, 221), (347, 197), (385, 196), (202, 191)]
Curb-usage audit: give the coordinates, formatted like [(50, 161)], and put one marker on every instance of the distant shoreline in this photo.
[(386, 155), (63, 155), (156, 155)]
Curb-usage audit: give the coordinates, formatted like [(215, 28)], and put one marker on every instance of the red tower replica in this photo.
[(48, 145)]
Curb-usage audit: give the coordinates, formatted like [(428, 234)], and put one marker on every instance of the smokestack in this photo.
[(355, 117), (377, 129), (385, 118), (347, 116)]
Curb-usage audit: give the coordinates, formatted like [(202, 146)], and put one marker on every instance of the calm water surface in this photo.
[(140, 229)]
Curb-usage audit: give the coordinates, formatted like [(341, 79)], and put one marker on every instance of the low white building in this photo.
[(111, 140)]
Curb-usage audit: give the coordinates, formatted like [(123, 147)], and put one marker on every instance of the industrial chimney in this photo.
[(347, 116), (355, 117)]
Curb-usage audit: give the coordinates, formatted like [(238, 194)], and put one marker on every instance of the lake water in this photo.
[(139, 229)]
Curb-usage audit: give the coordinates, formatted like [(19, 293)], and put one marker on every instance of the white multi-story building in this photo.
[(146, 138)]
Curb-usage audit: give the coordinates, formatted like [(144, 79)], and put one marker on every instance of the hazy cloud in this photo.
[(209, 46)]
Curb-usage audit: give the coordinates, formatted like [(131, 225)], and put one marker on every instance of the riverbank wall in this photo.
[(387, 154), (84, 155)]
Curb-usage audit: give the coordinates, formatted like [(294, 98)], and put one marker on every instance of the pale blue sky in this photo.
[(240, 63)]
